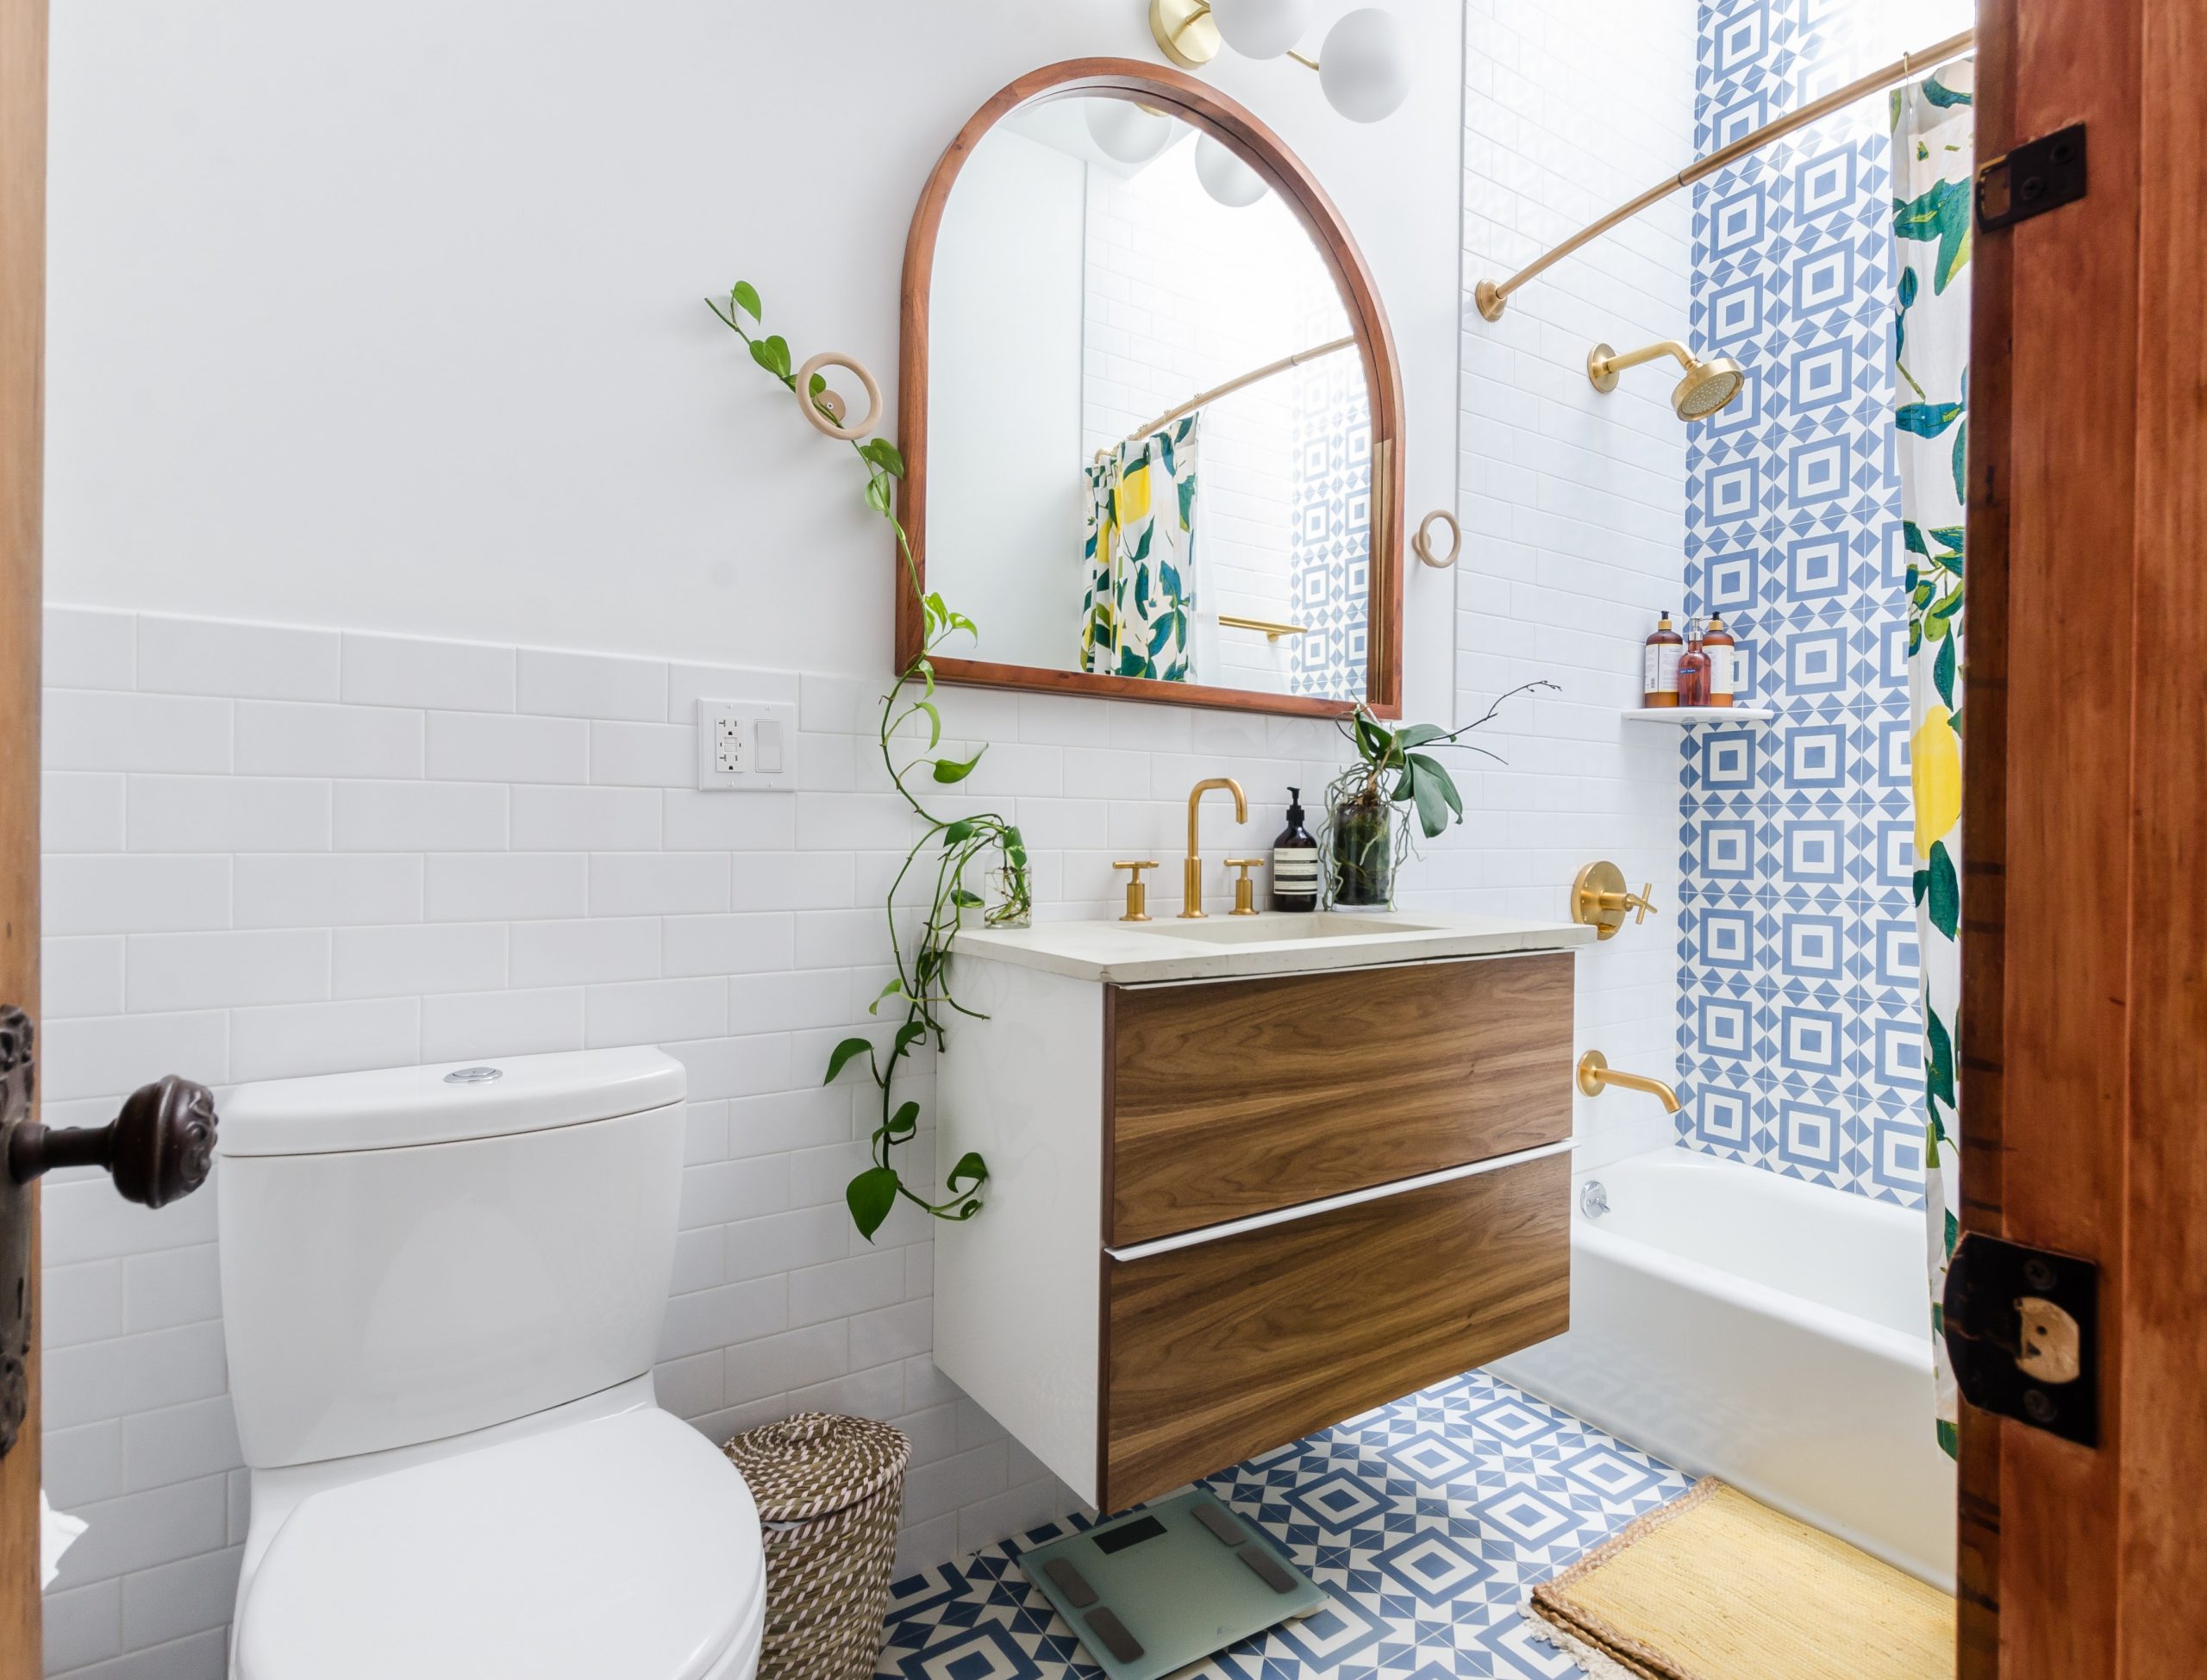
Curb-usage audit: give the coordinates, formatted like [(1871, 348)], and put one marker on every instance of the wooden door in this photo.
[(22, 341), (2085, 1003)]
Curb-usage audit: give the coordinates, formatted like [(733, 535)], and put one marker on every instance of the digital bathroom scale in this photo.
[(1166, 1586)]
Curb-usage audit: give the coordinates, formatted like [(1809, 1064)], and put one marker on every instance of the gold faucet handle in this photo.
[(1137, 894), (1642, 903), (1245, 890)]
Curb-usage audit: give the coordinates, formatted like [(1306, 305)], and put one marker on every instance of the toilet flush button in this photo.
[(474, 1076)]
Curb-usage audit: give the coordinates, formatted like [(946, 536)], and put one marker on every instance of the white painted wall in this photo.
[(386, 322), (1006, 504)]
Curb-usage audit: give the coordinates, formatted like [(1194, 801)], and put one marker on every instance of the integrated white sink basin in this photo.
[(1221, 947), (1260, 929)]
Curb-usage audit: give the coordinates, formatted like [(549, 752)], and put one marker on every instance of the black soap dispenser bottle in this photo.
[(1295, 861)]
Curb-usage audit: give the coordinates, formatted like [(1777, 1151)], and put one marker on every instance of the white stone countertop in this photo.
[(1125, 954)]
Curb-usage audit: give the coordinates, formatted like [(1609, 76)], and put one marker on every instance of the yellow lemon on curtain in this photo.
[(1935, 752), (1133, 496)]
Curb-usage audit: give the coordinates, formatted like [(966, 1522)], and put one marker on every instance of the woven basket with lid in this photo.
[(829, 1490)]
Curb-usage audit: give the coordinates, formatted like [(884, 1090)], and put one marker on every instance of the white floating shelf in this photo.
[(1679, 717)]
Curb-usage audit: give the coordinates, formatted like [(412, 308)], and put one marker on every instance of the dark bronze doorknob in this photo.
[(157, 1149)]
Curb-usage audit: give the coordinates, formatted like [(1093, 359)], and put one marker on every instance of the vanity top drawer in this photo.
[(1245, 1097)]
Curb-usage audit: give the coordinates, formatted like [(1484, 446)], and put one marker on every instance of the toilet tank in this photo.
[(417, 1253)]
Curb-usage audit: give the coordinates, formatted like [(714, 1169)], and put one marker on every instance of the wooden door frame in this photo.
[(22, 407), (2083, 1033)]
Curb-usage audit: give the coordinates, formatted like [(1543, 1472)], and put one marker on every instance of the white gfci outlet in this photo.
[(745, 745)]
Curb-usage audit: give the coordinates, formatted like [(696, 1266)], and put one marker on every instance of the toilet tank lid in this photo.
[(444, 1102)]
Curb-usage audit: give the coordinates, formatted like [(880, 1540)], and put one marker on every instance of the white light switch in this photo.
[(744, 745)]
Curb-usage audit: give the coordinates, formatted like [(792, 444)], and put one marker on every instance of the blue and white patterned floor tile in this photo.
[(1427, 1521)]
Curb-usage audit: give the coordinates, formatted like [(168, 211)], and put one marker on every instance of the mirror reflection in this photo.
[(1149, 433)]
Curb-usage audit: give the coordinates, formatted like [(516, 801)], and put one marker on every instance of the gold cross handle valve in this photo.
[(1245, 890), (1137, 892), (1599, 901)]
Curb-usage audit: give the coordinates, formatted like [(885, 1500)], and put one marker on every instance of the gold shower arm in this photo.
[(1493, 297), (1599, 366), (1204, 398)]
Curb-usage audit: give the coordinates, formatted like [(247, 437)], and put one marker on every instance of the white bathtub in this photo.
[(1772, 1333)]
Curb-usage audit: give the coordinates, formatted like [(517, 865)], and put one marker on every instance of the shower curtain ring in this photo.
[(811, 407)]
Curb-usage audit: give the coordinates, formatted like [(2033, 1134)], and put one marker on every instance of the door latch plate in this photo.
[(2022, 1327), (2038, 176), (18, 1076)]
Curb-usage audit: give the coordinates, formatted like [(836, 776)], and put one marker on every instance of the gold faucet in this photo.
[(1595, 1074), (1192, 870)]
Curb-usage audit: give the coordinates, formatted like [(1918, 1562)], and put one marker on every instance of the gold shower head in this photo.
[(1708, 385)]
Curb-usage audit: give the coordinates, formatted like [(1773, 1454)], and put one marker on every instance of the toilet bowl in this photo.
[(443, 1290)]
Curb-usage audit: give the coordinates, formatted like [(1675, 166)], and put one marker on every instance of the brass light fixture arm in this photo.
[(1186, 32), (1192, 870), (1492, 296)]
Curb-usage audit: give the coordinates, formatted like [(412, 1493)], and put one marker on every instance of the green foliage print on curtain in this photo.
[(1934, 150), (1137, 614)]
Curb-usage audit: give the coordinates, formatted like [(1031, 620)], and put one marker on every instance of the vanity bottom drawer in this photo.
[(1224, 1349)]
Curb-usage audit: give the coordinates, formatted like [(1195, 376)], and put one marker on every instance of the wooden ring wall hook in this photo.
[(811, 412), (1422, 542)]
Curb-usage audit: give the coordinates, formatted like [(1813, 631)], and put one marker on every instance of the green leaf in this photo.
[(1945, 893), (745, 296), (965, 900), (841, 1055), (1942, 671), (880, 452), (1417, 735), (959, 832), (947, 770), (969, 1174), (1014, 844), (1374, 743), (1941, 94), (935, 721), (902, 1124), (1431, 769), (877, 494), (1432, 808), (819, 383), (908, 1035), (1939, 1074), (870, 1196), (772, 354), (1942, 213), (894, 988)]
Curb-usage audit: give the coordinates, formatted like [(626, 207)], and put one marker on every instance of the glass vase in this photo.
[(1363, 842), (1010, 897)]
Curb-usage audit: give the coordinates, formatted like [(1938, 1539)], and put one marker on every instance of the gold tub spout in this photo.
[(1595, 1075), (1192, 870)]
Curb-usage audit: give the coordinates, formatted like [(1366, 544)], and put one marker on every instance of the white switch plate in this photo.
[(746, 745)]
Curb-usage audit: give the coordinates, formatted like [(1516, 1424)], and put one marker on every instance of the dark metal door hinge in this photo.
[(2040, 175), (2023, 1335)]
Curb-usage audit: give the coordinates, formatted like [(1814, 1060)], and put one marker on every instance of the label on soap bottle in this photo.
[(1295, 872)]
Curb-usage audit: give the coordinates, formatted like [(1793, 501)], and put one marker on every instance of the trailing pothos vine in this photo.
[(948, 849)]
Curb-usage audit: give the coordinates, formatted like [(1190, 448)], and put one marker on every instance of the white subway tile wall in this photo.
[(1572, 502)]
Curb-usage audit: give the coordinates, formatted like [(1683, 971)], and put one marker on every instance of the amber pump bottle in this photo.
[(1295, 861), (1660, 664), (1693, 668), (1723, 662)]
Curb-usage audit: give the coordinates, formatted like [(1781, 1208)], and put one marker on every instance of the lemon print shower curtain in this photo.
[(1933, 148), (1139, 554)]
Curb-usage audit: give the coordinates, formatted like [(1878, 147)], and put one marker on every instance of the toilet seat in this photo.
[(623, 1548)]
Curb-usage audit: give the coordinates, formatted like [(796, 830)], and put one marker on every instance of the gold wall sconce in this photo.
[(1364, 65), (1599, 901)]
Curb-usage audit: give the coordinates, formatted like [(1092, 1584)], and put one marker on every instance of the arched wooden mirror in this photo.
[(1150, 409)]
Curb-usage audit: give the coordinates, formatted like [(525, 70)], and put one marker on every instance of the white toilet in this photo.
[(441, 1291)]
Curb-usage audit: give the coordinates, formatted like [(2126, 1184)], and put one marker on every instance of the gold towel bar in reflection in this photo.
[(1273, 632)]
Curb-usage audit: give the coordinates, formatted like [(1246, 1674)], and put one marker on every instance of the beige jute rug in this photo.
[(1715, 1587)]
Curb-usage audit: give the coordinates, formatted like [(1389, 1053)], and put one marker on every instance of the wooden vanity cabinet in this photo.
[(1227, 1214)]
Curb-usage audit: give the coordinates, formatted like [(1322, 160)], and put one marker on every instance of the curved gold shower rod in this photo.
[(1493, 297)]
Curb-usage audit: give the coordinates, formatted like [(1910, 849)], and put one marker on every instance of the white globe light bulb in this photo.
[(1261, 28), (1225, 177), (1365, 66), (1127, 132)]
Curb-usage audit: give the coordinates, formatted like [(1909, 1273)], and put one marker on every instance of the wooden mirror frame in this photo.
[(1202, 107)]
